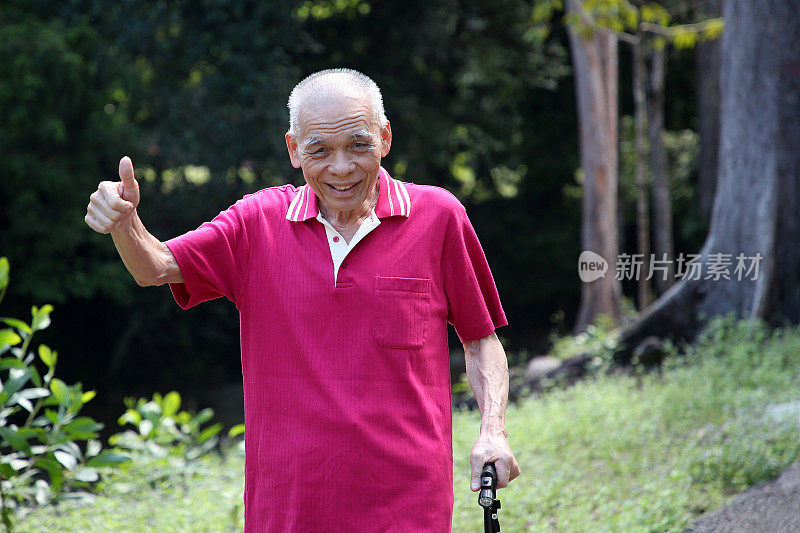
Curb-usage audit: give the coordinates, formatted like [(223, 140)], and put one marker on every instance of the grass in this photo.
[(604, 455), (151, 495)]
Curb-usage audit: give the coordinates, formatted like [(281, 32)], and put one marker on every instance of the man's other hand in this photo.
[(113, 204), (488, 448)]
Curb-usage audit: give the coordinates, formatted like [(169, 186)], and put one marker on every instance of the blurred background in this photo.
[(482, 101)]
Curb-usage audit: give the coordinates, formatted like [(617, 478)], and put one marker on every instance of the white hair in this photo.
[(333, 80)]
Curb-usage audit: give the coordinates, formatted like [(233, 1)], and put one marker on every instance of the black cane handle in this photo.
[(486, 498), (488, 485)]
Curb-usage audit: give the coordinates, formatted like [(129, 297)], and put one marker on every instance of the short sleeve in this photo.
[(473, 305), (213, 259)]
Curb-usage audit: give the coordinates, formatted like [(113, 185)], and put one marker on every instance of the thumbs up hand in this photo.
[(113, 205)]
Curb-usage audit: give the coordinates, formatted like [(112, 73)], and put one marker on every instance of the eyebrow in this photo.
[(311, 141), (359, 135), (362, 134)]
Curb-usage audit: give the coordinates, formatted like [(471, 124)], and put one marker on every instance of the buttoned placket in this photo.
[(339, 246)]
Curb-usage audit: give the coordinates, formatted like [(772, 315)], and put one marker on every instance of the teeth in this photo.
[(341, 188)]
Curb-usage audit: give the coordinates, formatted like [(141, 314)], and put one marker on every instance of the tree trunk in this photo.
[(708, 110), (642, 189), (756, 204), (663, 246), (594, 59)]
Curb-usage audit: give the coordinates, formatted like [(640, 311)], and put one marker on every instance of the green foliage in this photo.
[(743, 452), (162, 430), (605, 455), (47, 448), (601, 456), (628, 20), (683, 150), (325, 9), (600, 340), (132, 498)]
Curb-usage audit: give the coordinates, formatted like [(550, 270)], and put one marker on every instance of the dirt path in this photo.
[(772, 507)]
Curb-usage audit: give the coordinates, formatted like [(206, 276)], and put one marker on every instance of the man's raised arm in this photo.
[(487, 372), (112, 209)]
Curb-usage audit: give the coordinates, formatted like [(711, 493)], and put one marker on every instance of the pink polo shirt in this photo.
[(346, 382)]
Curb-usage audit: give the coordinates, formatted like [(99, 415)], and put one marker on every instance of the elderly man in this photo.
[(344, 288)]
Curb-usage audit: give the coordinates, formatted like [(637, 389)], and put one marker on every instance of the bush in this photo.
[(162, 430), (43, 455), (600, 340)]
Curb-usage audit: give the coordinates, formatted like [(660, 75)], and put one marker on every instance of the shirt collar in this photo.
[(393, 200)]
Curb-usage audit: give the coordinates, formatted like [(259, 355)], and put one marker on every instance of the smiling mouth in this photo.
[(334, 187)]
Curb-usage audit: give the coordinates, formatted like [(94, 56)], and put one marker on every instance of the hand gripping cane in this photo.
[(486, 499)]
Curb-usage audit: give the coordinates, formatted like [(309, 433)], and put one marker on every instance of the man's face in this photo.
[(339, 145)]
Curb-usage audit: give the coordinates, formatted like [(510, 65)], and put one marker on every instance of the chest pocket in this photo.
[(401, 310)]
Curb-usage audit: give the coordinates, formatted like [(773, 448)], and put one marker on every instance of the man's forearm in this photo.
[(148, 260), (487, 372)]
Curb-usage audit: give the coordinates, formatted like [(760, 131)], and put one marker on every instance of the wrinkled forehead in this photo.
[(336, 113)]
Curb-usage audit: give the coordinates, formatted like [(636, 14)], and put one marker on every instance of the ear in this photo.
[(386, 139), (291, 146)]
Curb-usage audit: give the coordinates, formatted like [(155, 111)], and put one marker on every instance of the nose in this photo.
[(341, 164)]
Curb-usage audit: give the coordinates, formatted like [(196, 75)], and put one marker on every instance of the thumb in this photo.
[(126, 173), (475, 480)]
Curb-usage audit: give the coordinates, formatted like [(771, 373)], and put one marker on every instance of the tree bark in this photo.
[(594, 59), (707, 71), (644, 292), (663, 246), (756, 204)]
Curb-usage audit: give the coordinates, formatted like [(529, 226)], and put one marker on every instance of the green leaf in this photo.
[(6, 470), (51, 415), (60, 391), (209, 432), (82, 428), (18, 378), (42, 492), (107, 459), (87, 396), (41, 317), (684, 40), (19, 464), (145, 427), (15, 440), (67, 459), (5, 269), (204, 416), (171, 403), (93, 447), (127, 439), (8, 337), (87, 475), (11, 362), (19, 324), (47, 356), (25, 403), (33, 393), (236, 430), (130, 416), (713, 29), (53, 468)]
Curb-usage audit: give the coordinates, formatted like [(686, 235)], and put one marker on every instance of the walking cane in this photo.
[(486, 499)]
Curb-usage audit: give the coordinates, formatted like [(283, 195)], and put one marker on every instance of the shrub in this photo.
[(43, 455), (600, 340), (161, 430)]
